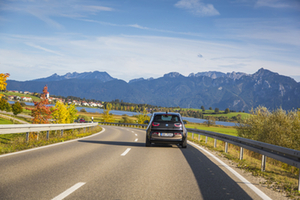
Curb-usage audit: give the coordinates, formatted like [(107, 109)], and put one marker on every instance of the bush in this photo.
[(82, 110), (278, 127), (17, 108), (86, 118), (127, 120)]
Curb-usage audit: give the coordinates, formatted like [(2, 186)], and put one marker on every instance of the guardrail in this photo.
[(286, 155), (26, 128)]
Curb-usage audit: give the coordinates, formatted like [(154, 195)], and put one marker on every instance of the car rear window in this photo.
[(166, 118)]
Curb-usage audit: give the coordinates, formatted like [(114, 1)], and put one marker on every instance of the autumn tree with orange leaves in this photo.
[(41, 113)]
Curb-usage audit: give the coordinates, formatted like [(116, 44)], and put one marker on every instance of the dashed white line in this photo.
[(68, 191), (135, 134), (126, 151), (136, 140)]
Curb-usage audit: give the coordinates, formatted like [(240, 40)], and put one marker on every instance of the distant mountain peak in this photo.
[(102, 76), (173, 75)]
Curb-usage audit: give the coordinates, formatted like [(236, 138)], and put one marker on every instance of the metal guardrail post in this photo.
[(192, 136), (27, 136), (215, 143), (47, 135), (61, 133), (263, 163), (299, 181), (226, 147), (206, 140), (84, 129), (241, 153), (199, 137)]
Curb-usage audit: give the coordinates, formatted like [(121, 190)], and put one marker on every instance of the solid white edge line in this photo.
[(136, 140), (51, 145), (245, 181), (126, 151), (68, 191)]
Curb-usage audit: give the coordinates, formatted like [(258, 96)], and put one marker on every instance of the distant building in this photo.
[(26, 98)]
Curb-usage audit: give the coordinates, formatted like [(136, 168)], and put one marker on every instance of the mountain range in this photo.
[(236, 91)]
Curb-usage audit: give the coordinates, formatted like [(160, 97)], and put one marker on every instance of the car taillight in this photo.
[(178, 124), (177, 133), (155, 124), (155, 133)]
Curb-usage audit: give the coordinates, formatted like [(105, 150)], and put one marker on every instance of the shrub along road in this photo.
[(115, 164)]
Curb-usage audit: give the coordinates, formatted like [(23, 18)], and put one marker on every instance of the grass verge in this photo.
[(16, 142), (5, 121)]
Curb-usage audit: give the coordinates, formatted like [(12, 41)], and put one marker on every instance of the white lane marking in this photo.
[(245, 181), (126, 151), (68, 191), (135, 134), (132, 131), (51, 145), (136, 140)]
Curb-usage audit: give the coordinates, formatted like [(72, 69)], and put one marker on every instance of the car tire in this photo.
[(148, 143), (184, 143)]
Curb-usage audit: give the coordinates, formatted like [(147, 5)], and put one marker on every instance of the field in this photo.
[(99, 117), (229, 115), (219, 129)]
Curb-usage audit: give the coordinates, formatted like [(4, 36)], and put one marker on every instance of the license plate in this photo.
[(166, 134)]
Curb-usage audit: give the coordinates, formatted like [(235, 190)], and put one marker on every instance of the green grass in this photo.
[(219, 129), (5, 121), (229, 115)]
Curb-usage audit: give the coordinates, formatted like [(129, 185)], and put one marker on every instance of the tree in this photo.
[(227, 110), (17, 108), (203, 109), (217, 110), (64, 113), (106, 116), (59, 113), (210, 121), (4, 105), (41, 113), (72, 113), (143, 117), (210, 108), (3, 83)]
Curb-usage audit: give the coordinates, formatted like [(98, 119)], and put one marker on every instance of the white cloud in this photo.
[(138, 26), (197, 7), (44, 49), (261, 31), (96, 8), (46, 10), (128, 57), (277, 3)]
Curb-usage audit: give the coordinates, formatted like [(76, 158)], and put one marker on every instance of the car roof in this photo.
[(165, 113)]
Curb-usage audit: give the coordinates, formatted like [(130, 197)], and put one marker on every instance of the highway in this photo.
[(115, 164)]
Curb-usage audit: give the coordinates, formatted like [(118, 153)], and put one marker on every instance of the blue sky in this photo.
[(148, 38)]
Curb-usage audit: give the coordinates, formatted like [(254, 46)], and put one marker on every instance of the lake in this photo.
[(120, 112)]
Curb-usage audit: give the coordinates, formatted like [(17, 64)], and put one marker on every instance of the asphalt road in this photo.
[(116, 165)]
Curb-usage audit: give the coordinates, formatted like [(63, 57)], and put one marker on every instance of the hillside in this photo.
[(236, 91)]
